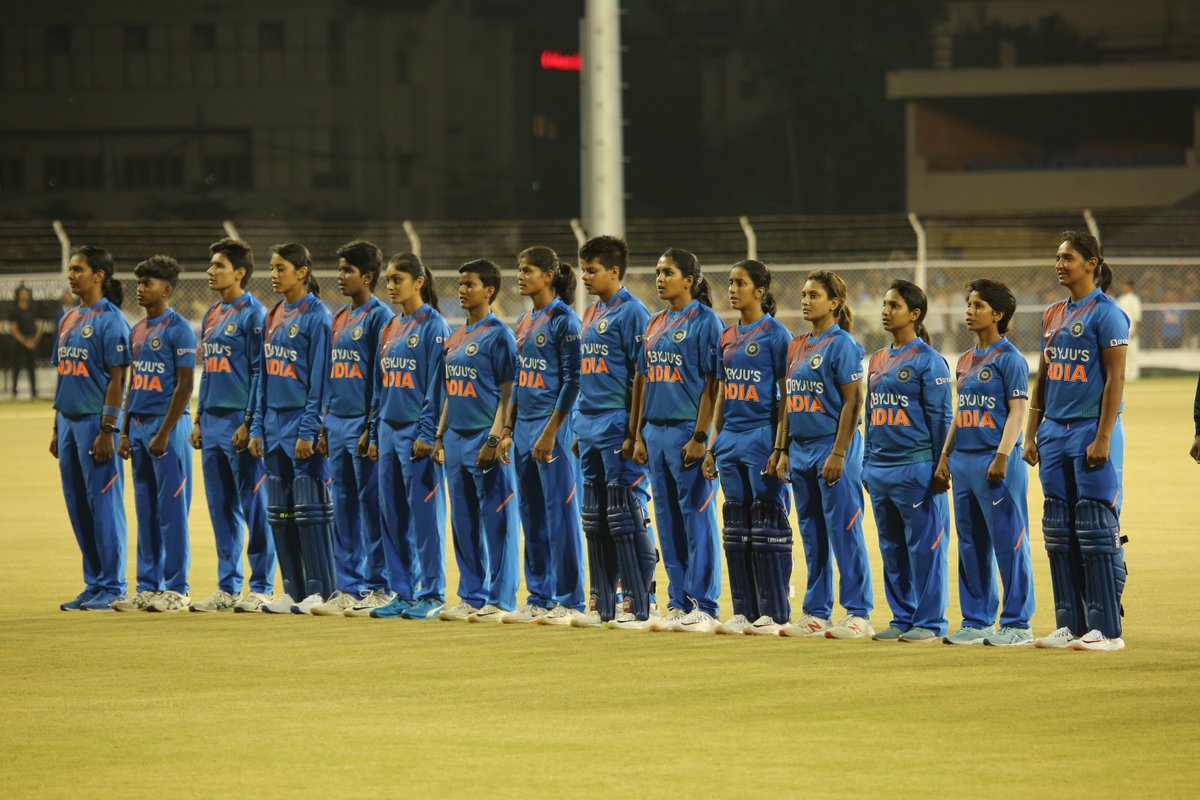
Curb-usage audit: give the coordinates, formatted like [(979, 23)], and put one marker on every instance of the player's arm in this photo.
[(184, 380), (1018, 407), (439, 452), (939, 408), (1113, 361), (570, 359), (311, 422), (488, 454), (852, 401), (693, 451), (1037, 402), (710, 459), (1195, 451), (431, 406), (254, 350), (102, 447), (779, 464)]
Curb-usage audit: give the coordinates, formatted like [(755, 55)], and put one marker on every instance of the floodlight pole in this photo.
[(1090, 219), (231, 230), (602, 160), (64, 242), (922, 271), (414, 241)]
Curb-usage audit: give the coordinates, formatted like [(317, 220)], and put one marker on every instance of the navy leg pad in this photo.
[(1103, 565), (735, 539), (771, 543), (601, 552), (1066, 566), (636, 555), (314, 520), (281, 518)]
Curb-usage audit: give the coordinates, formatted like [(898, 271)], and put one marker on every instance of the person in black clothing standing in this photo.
[(27, 333)]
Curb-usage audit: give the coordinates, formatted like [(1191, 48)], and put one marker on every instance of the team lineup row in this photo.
[(331, 442)]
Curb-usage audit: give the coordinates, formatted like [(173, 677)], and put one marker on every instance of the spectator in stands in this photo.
[(1131, 304), (26, 331)]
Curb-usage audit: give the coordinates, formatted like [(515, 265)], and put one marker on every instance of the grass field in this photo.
[(194, 705)]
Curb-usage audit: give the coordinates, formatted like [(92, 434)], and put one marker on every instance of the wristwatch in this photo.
[(700, 436), (492, 440), (108, 427)]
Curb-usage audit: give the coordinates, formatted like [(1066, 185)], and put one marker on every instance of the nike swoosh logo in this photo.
[(551, 461), (917, 504), (489, 469), (998, 502)]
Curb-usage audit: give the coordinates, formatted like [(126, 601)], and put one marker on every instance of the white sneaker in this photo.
[(337, 605), (696, 621), (1058, 640), (169, 601), (589, 620), (666, 623), (219, 600), (1094, 640), (524, 615), (559, 615), (763, 626), (252, 603), (376, 598), (734, 625), (139, 602), (488, 613), (851, 626), (281, 606), (307, 605), (807, 625), (458, 613)]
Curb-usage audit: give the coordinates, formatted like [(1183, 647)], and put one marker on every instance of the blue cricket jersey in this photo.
[(160, 346), (987, 380), (296, 364), (548, 359), (1073, 335), (754, 360), (352, 363), (681, 349), (231, 345), (612, 347), (908, 404), (409, 382), (91, 341), (480, 358), (818, 368)]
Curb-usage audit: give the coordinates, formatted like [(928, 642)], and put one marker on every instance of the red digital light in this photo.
[(561, 62)]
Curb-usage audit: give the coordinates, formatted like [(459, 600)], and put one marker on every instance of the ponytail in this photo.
[(919, 327), (702, 291), (564, 283), (113, 291), (768, 303), (1104, 275), (428, 292), (836, 289), (310, 282)]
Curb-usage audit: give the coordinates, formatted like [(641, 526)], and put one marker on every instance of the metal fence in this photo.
[(1159, 252)]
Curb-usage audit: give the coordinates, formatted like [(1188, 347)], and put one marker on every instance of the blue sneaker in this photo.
[(77, 603), (101, 601), (969, 635), (889, 634), (1010, 636), (425, 608), (919, 635), (393, 610)]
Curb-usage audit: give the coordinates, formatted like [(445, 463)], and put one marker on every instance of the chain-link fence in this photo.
[(1157, 253)]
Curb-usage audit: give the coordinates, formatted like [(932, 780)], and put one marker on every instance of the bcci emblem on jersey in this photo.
[(679, 335), (293, 329), (356, 334), (752, 349), (155, 342), (985, 374), (86, 332), (816, 361), (412, 340), (903, 374), (540, 339), (603, 326), (231, 329), (1077, 328), (472, 348)]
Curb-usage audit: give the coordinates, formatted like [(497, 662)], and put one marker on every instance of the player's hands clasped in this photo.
[(941, 476), (255, 446), (194, 438), (1030, 453)]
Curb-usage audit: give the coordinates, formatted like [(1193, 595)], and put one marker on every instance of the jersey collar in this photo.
[(1086, 298)]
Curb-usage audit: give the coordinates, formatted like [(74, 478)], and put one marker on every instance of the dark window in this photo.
[(404, 170), (204, 38), (401, 73), (73, 173), (58, 39), (136, 39), (152, 172), (337, 53), (230, 172), (270, 36), (12, 174)]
